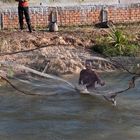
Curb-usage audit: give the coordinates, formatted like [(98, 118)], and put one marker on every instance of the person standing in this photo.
[(23, 10), (89, 77)]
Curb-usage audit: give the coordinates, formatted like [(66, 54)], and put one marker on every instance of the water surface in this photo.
[(65, 115)]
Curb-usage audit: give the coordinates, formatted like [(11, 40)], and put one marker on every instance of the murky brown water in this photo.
[(66, 115)]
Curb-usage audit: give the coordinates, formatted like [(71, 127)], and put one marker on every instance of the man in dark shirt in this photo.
[(89, 77), (23, 9)]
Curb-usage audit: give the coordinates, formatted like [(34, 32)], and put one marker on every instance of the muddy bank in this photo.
[(62, 52)]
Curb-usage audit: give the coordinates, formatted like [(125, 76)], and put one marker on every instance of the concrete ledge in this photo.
[(74, 7)]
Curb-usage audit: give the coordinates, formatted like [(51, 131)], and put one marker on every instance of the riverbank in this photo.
[(62, 52)]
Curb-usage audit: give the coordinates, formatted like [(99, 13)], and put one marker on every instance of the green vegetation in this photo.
[(116, 43)]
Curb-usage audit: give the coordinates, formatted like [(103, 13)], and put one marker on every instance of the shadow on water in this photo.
[(66, 115)]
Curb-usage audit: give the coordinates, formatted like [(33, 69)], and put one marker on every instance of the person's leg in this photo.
[(27, 17), (20, 17)]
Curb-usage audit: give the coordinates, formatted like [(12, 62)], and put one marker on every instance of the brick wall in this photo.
[(69, 16)]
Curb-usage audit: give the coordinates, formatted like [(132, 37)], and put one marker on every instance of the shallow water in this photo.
[(66, 115)]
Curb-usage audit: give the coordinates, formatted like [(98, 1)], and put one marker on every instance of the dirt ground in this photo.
[(85, 36), (12, 41)]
